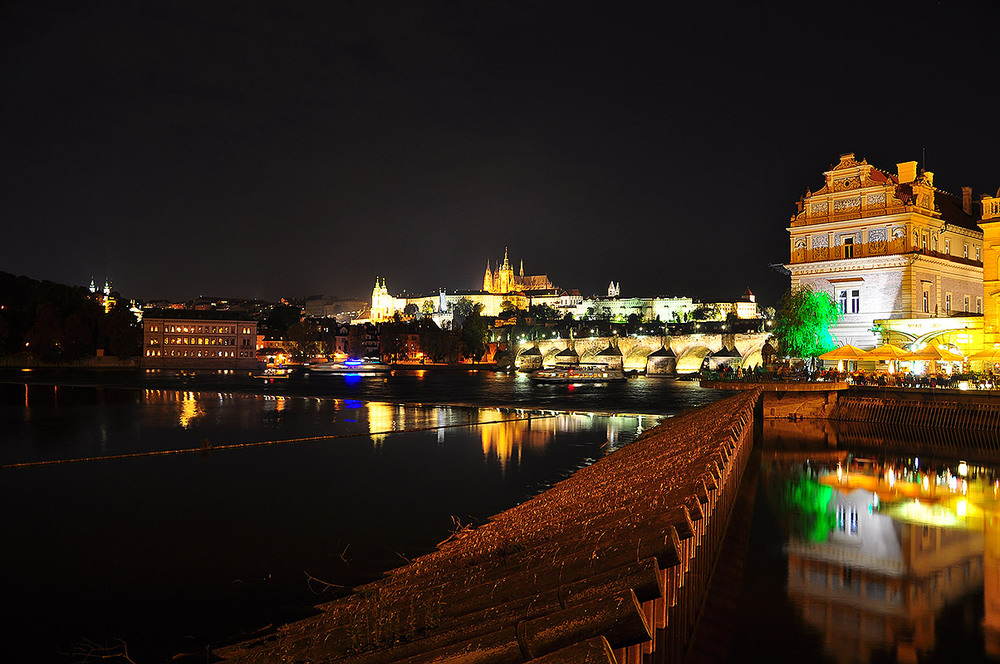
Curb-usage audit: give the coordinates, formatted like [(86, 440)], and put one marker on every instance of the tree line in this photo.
[(57, 323)]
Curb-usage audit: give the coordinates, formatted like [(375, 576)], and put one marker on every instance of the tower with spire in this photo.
[(488, 279), (382, 302)]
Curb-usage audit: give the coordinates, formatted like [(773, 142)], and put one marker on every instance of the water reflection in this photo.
[(879, 547)]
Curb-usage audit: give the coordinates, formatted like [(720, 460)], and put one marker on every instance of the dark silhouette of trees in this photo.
[(53, 322), (474, 334)]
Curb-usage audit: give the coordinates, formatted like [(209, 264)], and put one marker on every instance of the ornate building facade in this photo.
[(887, 246), (503, 280)]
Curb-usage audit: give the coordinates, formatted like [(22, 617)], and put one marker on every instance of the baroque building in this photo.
[(887, 246)]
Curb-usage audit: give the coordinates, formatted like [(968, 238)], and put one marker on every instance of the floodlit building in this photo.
[(503, 288), (990, 223), (503, 280), (186, 339), (887, 246)]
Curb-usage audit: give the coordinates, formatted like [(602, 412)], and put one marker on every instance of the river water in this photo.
[(171, 513)]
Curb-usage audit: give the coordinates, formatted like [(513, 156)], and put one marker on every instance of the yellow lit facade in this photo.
[(990, 223), (887, 246)]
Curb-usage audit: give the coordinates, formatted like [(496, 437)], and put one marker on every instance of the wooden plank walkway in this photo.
[(609, 565)]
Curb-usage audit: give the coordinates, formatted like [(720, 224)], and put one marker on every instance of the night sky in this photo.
[(282, 149)]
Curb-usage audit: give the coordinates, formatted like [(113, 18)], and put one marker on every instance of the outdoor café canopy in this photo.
[(987, 354), (935, 354), (887, 352), (845, 352)]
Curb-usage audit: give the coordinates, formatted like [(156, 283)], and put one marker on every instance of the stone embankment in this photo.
[(609, 566), (941, 409)]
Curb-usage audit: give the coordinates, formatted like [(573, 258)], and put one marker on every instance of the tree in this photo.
[(281, 318), (474, 333), (543, 312), (305, 338), (706, 312), (461, 310), (802, 322), (427, 307), (120, 332)]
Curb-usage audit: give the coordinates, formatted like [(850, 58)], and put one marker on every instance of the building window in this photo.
[(947, 303), (847, 519), (965, 251), (966, 304), (849, 300), (977, 253), (923, 241), (947, 247), (848, 247), (979, 305), (926, 302)]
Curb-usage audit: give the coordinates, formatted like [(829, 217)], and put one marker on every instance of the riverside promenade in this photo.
[(610, 565)]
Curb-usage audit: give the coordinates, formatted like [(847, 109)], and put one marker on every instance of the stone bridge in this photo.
[(690, 349)]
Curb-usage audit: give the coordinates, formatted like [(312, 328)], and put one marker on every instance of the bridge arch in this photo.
[(691, 358)]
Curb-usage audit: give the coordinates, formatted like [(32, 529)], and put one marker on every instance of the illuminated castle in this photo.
[(505, 281)]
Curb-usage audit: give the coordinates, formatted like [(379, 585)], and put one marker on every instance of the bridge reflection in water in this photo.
[(881, 544)]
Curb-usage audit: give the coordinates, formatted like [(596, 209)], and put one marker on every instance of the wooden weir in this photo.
[(610, 565)]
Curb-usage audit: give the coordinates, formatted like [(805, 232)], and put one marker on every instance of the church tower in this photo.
[(381, 302), (505, 275), (488, 279)]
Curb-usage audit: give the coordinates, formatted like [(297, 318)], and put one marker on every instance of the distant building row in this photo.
[(522, 291)]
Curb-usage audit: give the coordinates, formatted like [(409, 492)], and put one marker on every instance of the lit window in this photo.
[(977, 254), (947, 246), (947, 302), (966, 303), (965, 251), (848, 247), (926, 302)]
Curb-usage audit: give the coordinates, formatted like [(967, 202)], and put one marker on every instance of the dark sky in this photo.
[(269, 149)]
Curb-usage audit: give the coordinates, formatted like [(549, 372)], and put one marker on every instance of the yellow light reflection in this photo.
[(507, 440), (381, 419), (190, 409)]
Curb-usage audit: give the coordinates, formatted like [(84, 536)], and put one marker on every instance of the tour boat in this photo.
[(577, 373), (350, 367)]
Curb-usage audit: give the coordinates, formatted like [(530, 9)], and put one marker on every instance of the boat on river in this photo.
[(350, 367), (577, 373)]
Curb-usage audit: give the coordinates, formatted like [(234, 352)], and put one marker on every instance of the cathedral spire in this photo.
[(522, 267)]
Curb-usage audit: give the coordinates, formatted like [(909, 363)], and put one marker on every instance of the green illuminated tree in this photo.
[(802, 322)]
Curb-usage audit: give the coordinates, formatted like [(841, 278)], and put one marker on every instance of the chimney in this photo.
[(907, 171), (967, 200)]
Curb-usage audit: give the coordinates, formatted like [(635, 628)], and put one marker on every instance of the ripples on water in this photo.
[(867, 545), (277, 501)]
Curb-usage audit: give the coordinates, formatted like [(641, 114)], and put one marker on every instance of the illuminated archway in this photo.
[(691, 359)]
